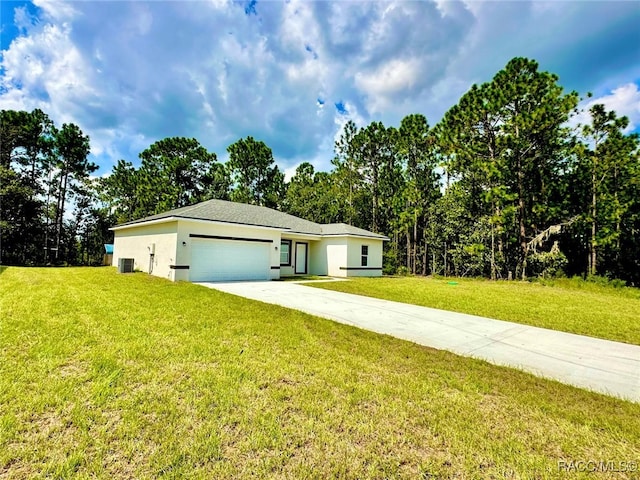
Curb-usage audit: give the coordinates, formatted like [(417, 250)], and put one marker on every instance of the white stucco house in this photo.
[(218, 240)]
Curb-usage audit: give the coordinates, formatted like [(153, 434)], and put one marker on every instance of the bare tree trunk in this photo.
[(445, 259), (493, 249), (60, 213), (374, 192), (594, 211), (396, 245), (47, 214), (433, 269), (424, 258), (618, 216), (415, 243), (350, 204), (493, 253), (408, 261), (522, 230), (374, 213)]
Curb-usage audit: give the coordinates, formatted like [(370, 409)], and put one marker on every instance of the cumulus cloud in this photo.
[(394, 79), (46, 70), (624, 100), (291, 73)]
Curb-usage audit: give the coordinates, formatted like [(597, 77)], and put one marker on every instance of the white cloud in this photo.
[(45, 70), (22, 19), (290, 171), (340, 120), (387, 81), (56, 10), (131, 73), (142, 19), (624, 100)]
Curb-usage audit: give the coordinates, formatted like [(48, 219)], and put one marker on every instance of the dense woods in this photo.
[(504, 186)]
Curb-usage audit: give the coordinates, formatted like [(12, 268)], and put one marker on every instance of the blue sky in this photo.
[(293, 73)]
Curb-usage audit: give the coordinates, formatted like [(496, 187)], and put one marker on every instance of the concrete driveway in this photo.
[(604, 366)]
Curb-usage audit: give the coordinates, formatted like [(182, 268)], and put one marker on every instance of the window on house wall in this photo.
[(285, 252), (364, 255)]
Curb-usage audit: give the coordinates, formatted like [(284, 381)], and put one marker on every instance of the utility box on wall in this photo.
[(125, 265)]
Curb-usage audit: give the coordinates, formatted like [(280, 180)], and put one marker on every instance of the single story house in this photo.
[(218, 240)]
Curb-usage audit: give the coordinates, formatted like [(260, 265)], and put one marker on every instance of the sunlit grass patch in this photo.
[(129, 376), (567, 305)]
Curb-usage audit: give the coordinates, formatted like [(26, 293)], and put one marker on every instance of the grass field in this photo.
[(568, 305), (128, 376)]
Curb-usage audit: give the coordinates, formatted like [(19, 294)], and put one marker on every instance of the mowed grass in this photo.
[(567, 305), (129, 376)]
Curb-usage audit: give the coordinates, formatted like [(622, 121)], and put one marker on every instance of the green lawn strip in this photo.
[(128, 376), (569, 306)]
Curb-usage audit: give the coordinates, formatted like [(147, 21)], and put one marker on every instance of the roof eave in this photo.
[(239, 224), (358, 235), (296, 233), (139, 223)]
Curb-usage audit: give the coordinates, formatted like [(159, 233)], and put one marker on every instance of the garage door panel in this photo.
[(222, 260)]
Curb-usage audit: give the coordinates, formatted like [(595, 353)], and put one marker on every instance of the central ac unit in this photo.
[(125, 265)]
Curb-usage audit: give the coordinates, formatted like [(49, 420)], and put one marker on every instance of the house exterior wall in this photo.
[(135, 242), (354, 254), (318, 258), (286, 270), (331, 255), (340, 256), (187, 227)]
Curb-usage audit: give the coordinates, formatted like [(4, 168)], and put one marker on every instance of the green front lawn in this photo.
[(129, 376), (571, 306)]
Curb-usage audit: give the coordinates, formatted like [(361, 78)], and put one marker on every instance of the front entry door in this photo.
[(301, 258)]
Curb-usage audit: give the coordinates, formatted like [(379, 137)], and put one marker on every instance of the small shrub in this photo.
[(403, 271), (591, 282), (389, 262), (548, 264), (606, 281)]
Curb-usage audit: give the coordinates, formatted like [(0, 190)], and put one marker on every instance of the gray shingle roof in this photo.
[(344, 229), (245, 214)]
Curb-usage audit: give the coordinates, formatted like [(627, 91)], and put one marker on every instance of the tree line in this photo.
[(504, 186), (43, 171)]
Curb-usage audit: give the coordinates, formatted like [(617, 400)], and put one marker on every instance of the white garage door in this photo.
[(222, 260)]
